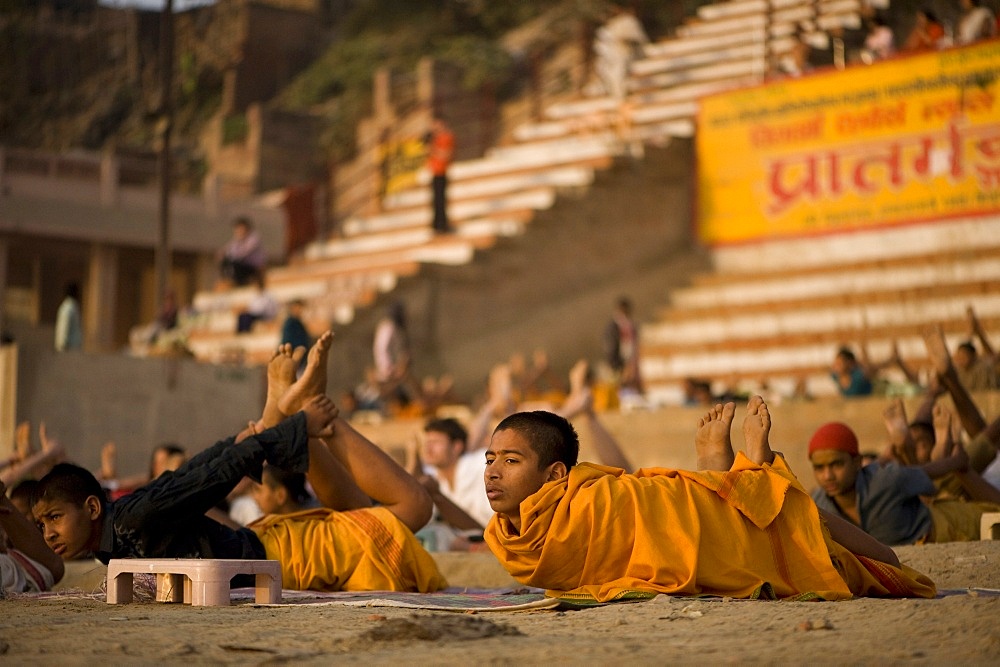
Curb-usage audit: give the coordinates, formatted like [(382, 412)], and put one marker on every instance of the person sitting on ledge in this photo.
[(742, 526), (346, 545)]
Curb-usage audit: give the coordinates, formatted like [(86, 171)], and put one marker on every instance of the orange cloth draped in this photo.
[(749, 532), (360, 550)]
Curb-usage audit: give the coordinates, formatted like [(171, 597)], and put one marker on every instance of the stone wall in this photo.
[(86, 400)]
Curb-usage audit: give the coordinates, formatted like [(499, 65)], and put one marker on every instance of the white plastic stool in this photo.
[(205, 581), (988, 524)]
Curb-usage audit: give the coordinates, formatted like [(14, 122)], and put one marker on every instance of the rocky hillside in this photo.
[(78, 75)]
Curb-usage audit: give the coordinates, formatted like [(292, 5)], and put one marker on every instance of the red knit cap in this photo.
[(834, 436)]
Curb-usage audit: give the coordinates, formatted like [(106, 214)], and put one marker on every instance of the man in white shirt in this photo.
[(454, 478), (69, 333)]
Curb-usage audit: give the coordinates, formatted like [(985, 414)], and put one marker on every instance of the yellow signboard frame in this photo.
[(905, 140)]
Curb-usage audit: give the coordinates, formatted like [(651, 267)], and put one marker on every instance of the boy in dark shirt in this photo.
[(347, 545)]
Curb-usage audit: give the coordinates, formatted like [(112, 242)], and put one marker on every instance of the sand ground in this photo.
[(963, 628)]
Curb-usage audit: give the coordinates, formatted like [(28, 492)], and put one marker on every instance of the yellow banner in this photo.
[(911, 139), (400, 161)]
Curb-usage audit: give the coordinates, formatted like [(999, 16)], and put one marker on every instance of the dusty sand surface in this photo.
[(955, 629)]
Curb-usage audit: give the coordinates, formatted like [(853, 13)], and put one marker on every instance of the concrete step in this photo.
[(722, 53), (896, 242), (787, 362), (775, 329), (851, 285), (560, 177), (749, 320)]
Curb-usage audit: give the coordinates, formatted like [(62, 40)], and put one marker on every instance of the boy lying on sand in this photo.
[(742, 526)]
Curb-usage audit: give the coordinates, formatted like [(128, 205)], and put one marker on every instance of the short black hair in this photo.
[(294, 482), (552, 437), (69, 483), (450, 427), (24, 490), (168, 448), (847, 354), (926, 427)]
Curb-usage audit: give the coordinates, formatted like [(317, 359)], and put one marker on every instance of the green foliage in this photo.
[(346, 65), (388, 33), (483, 60)]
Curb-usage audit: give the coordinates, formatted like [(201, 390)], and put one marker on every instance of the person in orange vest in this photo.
[(440, 150)]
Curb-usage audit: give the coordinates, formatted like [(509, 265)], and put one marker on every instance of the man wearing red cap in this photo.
[(883, 498)]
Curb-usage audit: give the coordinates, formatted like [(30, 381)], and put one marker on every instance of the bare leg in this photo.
[(756, 428), (280, 376), (943, 444), (977, 487), (581, 402), (356, 467), (332, 483), (22, 441), (580, 397), (499, 404), (972, 420), (925, 411), (993, 433), (313, 380), (712, 441)]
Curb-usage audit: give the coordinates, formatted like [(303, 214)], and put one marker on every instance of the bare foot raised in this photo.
[(937, 349), (580, 399), (944, 445), (898, 428), (313, 380), (280, 376), (320, 413), (756, 428), (22, 441), (501, 390), (712, 441), (109, 460)]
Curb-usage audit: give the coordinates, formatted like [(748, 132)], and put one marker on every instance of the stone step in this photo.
[(886, 281), (767, 326), (517, 205), (884, 244), (559, 177), (785, 362)]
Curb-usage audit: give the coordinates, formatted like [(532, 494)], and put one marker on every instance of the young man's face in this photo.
[(267, 497), (841, 364), (924, 443), (512, 473), (69, 530), (439, 450), (835, 471), (963, 358)]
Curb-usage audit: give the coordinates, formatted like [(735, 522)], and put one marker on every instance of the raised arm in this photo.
[(977, 331), (580, 402), (856, 540), (968, 413)]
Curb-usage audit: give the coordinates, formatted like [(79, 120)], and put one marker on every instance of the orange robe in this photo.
[(753, 531), (360, 550)]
